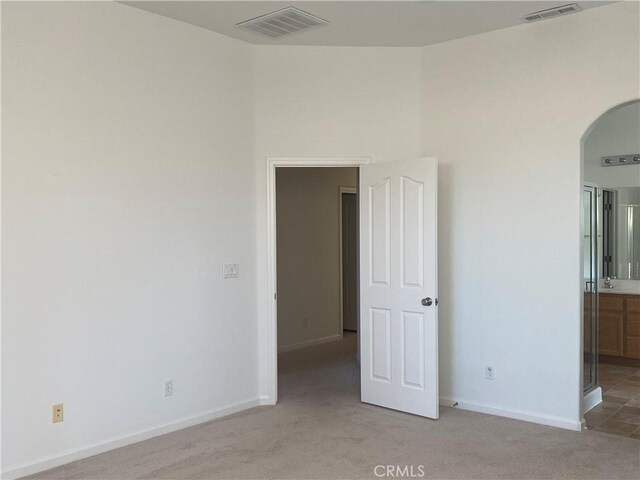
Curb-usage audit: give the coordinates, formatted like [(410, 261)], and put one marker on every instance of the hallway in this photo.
[(319, 429)]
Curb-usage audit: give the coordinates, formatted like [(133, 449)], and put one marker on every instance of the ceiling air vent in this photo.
[(551, 12), (283, 22)]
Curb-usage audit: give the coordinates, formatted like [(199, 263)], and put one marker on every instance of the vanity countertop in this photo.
[(619, 291), (621, 287)]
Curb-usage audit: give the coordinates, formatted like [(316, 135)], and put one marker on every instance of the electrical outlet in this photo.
[(168, 388), (489, 372), (57, 413)]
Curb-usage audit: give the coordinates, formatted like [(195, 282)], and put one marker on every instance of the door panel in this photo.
[(610, 333), (399, 335), (381, 344), (380, 232), (611, 302), (633, 304), (412, 229), (632, 347), (413, 346)]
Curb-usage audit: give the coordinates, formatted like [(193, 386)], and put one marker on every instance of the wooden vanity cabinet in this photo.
[(611, 334), (619, 328)]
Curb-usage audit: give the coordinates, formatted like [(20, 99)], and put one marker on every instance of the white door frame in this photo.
[(353, 191), (272, 311)]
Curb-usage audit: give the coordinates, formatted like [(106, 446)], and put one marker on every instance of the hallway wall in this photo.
[(308, 237)]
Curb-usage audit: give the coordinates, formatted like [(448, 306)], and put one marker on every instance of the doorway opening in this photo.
[(271, 343), (611, 272), (397, 284), (317, 279)]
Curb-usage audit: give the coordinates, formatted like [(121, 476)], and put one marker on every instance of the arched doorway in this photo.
[(610, 206)]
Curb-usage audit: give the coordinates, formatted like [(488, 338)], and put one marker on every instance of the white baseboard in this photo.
[(266, 400), (121, 441), (310, 343), (515, 414), (591, 399)]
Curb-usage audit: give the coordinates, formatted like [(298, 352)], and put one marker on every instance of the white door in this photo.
[(398, 286)]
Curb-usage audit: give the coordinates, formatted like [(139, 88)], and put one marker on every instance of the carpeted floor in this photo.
[(319, 429)]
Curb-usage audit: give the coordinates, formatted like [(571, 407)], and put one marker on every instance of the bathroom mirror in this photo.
[(621, 233)]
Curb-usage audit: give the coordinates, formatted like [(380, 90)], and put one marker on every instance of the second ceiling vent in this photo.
[(283, 22), (551, 12)]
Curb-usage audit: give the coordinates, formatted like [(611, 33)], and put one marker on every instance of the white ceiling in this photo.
[(360, 23)]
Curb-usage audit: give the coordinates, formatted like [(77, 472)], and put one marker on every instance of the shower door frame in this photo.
[(596, 214)]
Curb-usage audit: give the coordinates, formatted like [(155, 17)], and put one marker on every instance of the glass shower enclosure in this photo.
[(590, 311)]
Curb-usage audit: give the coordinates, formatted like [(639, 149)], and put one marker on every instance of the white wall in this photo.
[(329, 102), (616, 133), (133, 146), (127, 182), (505, 113), (308, 240)]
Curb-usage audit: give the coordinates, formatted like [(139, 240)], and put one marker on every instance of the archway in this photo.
[(610, 183)]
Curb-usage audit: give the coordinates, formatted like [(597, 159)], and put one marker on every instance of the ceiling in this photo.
[(359, 23)]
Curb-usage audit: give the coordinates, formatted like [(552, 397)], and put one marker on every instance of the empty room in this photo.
[(320, 239)]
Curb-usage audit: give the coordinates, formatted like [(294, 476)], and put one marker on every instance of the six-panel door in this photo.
[(399, 335)]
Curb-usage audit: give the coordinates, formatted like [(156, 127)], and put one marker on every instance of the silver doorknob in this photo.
[(427, 302)]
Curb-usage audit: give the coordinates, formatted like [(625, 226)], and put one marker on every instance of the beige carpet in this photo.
[(321, 430)]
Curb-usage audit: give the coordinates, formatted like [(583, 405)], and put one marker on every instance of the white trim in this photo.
[(591, 399), (514, 414), (318, 161), (271, 339), (310, 343), (51, 461), (341, 190)]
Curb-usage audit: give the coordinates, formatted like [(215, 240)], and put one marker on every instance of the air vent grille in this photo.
[(551, 12), (283, 22)]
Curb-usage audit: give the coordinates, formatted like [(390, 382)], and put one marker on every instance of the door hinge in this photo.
[(275, 296), (436, 302)]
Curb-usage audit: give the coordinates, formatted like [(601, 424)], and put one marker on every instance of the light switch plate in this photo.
[(230, 270)]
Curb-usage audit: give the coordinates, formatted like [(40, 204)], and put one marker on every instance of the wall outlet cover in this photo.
[(57, 413), (168, 388)]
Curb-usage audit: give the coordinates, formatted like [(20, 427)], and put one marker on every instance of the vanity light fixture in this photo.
[(620, 160)]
